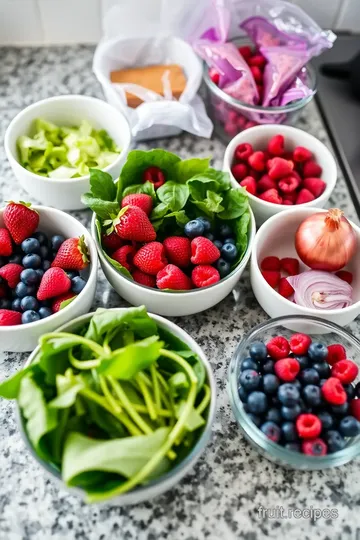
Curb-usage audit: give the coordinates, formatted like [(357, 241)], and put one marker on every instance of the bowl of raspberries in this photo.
[(296, 395), (48, 264), (280, 167), (175, 235)]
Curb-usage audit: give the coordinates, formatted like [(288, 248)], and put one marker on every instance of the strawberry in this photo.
[(311, 168), (290, 265), (279, 167), (316, 186), (345, 276), (112, 241), (57, 303), (72, 255), (55, 282), (133, 224), (243, 151), (5, 243), (125, 256), (272, 196), (9, 317), (265, 183), (285, 289), (11, 274), (239, 171), (276, 145), (150, 258), (144, 279), (141, 200), (304, 196), (270, 263), (171, 277), (257, 161), (20, 220), (154, 175), (203, 251), (178, 250), (301, 154), (288, 184), (249, 183), (204, 275), (336, 352), (271, 277)]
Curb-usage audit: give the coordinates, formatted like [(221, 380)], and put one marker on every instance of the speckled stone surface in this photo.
[(221, 497)]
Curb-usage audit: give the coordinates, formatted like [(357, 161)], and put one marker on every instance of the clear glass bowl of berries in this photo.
[(231, 116), (296, 396)]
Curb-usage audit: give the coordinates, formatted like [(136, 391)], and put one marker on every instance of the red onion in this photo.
[(325, 240), (320, 290)]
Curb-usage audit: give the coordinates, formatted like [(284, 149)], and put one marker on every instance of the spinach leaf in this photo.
[(53, 364), (104, 420), (147, 188), (174, 195), (103, 209), (210, 179), (187, 168), (241, 227), (102, 185), (236, 203), (68, 386), (124, 271), (211, 204), (9, 388), (194, 420), (180, 217), (159, 212)]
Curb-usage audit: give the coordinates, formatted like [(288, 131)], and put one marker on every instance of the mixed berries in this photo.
[(276, 175), (301, 394), (38, 273)]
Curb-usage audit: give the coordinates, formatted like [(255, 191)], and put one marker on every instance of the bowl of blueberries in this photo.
[(296, 396)]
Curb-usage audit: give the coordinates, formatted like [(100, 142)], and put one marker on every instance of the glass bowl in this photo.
[(327, 333), (231, 116)]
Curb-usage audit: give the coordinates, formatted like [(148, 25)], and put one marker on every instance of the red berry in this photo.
[(133, 224), (279, 167), (249, 183), (288, 184), (336, 352), (345, 370), (270, 263), (257, 161), (287, 202), (3, 290), (57, 303), (257, 60), (314, 447), (311, 169), (11, 274), (20, 220), (308, 426), (276, 145), (204, 275), (245, 51), (278, 348), (301, 154), (290, 197), (285, 289), (141, 200), (257, 73), (54, 282), (243, 151), (300, 343), (171, 277), (125, 256), (72, 255), (265, 183), (345, 276), (144, 279), (355, 408), (287, 369), (333, 391), (304, 196), (111, 241), (151, 258), (9, 317), (290, 265), (5, 243), (214, 76), (203, 251), (239, 171), (271, 277), (154, 175), (178, 250), (316, 186), (272, 196)]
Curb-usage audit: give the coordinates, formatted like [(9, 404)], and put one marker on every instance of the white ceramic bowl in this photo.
[(65, 194), (259, 136), (172, 304), (166, 482), (24, 337), (276, 237)]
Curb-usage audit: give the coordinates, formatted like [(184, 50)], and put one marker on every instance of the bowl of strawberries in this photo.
[(171, 234), (48, 266), (280, 167)]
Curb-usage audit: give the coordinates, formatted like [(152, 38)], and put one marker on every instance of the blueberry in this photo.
[(288, 394), (77, 284), (16, 259), (322, 381), (46, 303), (326, 419), (268, 366), (22, 290), (29, 317), (340, 410), (349, 426), (230, 241), (290, 413), (270, 383), (243, 395), (257, 351), (223, 267), (16, 305), (323, 369), (297, 384), (225, 230), (350, 391), (46, 265), (250, 380), (273, 415), (248, 363), (309, 376), (312, 395), (44, 252), (271, 430), (56, 242), (40, 273), (29, 276), (206, 223), (41, 237), (218, 244), (257, 402), (32, 260), (194, 228), (254, 418), (29, 303), (317, 352), (288, 432), (5, 303), (44, 312), (30, 245), (293, 446), (229, 252), (334, 441), (210, 236), (303, 361), (72, 273)]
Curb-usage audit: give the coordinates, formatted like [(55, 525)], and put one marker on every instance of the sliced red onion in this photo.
[(320, 290)]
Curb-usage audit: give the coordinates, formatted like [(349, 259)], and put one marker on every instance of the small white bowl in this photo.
[(173, 304), (24, 337), (65, 194), (258, 137), (277, 237)]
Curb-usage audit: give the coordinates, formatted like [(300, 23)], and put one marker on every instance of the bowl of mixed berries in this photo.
[(296, 395), (48, 264), (172, 234)]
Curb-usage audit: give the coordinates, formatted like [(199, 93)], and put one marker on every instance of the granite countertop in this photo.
[(220, 498)]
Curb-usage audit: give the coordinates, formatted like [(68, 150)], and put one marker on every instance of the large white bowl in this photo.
[(172, 304), (276, 237), (166, 482), (24, 337), (65, 194), (258, 137)]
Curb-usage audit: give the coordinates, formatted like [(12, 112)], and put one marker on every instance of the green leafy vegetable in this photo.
[(186, 169), (102, 185), (173, 195), (235, 204)]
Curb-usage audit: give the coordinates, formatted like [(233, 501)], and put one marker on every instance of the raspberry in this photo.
[(265, 183), (314, 447), (203, 251), (257, 60), (290, 265), (355, 408), (272, 196), (144, 279), (345, 370), (345, 276), (214, 76), (288, 184), (154, 175), (249, 183), (243, 151), (257, 73), (308, 426), (287, 369), (171, 277), (299, 343), (245, 51), (278, 347), (151, 258), (271, 277), (301, 154), (316, 186), (271, 263), (124, 256), (276, 145), (290, 197), (178, 250), (204, 275), (279, 167), (336, 352), (112, 241), (304, 196), (285, 289), (311, 168), (257, 161), (141, 200), (239, 171), (260, 89), (333, 391), (287, 202)]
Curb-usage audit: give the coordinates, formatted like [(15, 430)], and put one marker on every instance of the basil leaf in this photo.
[(103, 209), (174, 195), (159, 211), (147, 188), (236, 203), (102, 185), (187, 168)]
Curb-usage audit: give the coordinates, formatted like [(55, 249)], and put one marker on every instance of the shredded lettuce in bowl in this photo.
[(65, 152)]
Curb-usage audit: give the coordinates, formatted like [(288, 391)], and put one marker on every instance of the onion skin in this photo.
[(326, 241)]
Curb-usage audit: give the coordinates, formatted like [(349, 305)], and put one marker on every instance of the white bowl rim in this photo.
[(283, 129), (301, 310), (92, 276), (73, 98)]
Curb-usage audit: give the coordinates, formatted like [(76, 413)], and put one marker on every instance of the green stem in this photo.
[(205, 400), (165, 395), (128, 337), (97, 349), (134, 415), (82, 364), (156, 388), (144, 410), (147, 397), (112, 401)]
